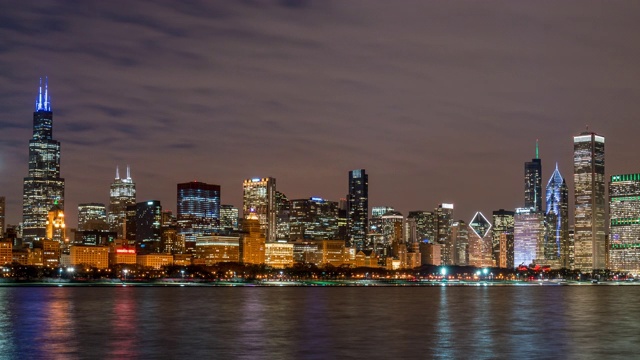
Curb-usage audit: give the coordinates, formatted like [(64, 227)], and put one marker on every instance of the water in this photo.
[(528, 322)]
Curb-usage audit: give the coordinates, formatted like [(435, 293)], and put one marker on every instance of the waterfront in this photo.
[(319, 323)]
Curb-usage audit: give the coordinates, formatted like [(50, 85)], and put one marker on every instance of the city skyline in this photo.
[(423, 114)]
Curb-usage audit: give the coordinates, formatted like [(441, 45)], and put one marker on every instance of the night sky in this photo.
[(438, 101)]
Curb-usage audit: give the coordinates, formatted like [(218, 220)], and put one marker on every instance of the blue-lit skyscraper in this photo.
[(43, 187), (198, 206), (556, 241)]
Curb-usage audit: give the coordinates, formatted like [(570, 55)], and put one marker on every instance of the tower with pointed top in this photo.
[(122, 194), (533, 182), (43, 187), (556, 239)]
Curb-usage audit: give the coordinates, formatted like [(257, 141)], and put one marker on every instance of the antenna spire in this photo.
[(128, 173), (117, 173), (537, 150)]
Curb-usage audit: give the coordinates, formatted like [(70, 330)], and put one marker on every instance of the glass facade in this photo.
[(148, 226), (313, 218), (528, 236), (589, 200), (556, 240), (444, 220), (122, 194), (91, 215), (480, 241), (259, 197), (502, 238), (358, 209), (43, 187), (198, 207), (533, 184), (624, 217)]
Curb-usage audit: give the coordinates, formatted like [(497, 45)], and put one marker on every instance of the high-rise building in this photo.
[(480, 241), (358, 209), (444, 220), (92, 216), (425, 224), (528, 236), (533, 182), (2, 221), (378, 211), (229, 217), (259, 197), (283, 213), (556, 239), (121, 195), (198, 207), (313, 218), (43, 185), (589, 200), (148, 225), (503, 223), (624, 217), (459, 243)]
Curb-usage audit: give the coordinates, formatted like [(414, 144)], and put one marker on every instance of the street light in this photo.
[(125, 271), (182, 272), (443, 271)]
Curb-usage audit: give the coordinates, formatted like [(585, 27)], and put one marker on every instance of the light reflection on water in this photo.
[(575, 322)]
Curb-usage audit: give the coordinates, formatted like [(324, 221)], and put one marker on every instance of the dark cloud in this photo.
[(439, 101)]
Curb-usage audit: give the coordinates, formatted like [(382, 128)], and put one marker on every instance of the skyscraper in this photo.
[(528, 236), (259, 197), (480, 241), (459, 243), (425, 224), (533, 182), (358, 209), (229, 215), (444, 220), (198, 207), (148, 226), (503, 223), (43, 186), (92, 216), (556, 240), (624, 215), (589, 196), (122, 194), (313, 218)]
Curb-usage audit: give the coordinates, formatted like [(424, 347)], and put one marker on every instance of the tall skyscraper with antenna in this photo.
[(533, 182), (43, 187), (556, 240), (122, 194)]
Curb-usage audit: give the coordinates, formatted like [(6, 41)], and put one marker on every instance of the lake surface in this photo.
[(525, 322)]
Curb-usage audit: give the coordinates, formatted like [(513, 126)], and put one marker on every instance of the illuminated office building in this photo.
[(121, 195), (92, 216), (259, 197), (533, 183), (589, 200), (43, 185), (198, 207), (378, 211), (528, 236), (358, 209), (444, 220), (283, 213), (502, 238), (229, 217), (313, 218), (480, 241), (556, 240), (425, 224), (624, 217), (458, 243), (148, 226)]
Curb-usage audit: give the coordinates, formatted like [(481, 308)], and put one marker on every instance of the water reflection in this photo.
[(6, 328), (124, 321), (57, 337)]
